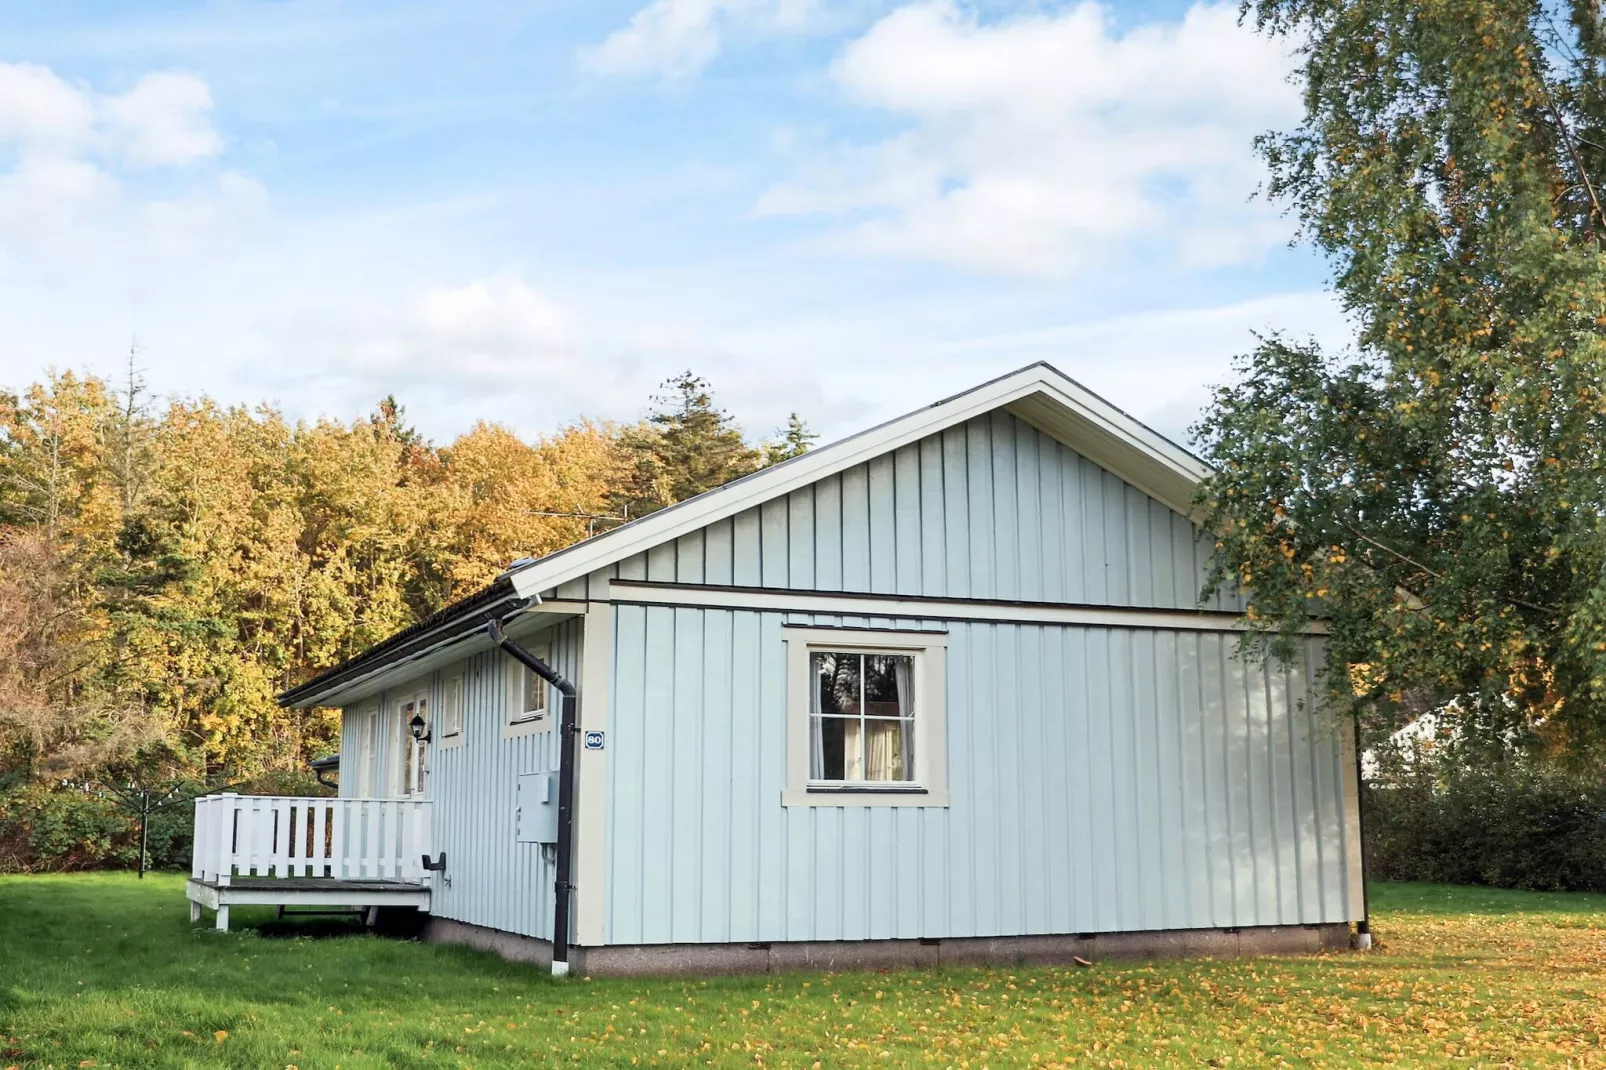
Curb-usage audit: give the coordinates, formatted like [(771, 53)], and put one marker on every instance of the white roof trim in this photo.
[(1040, 394)]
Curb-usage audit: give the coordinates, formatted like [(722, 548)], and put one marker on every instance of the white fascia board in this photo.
[(771, 483)]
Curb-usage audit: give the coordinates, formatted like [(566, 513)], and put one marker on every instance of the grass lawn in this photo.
[(106, 971)]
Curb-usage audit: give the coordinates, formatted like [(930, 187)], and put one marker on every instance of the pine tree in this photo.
[(795, 440), (686, 446)]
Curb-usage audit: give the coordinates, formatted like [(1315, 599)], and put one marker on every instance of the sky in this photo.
[(527, 212)]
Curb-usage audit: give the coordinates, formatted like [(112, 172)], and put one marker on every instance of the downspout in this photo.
[(563, 889), (1363, 928)]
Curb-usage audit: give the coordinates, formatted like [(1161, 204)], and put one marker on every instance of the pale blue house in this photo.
[(938, 692)]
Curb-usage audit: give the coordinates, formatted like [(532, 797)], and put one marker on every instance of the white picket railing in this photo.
[(289, 836)]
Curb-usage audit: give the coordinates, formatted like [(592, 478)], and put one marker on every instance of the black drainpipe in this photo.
[(1363, 928), (563, 888)]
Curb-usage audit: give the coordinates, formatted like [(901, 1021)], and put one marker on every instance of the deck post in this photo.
[(195, 912), (227, 814), (222, 918)]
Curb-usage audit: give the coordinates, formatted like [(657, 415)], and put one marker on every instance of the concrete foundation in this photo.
[(668, 960)]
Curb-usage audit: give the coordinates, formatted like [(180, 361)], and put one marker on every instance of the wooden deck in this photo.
[(301, 892)]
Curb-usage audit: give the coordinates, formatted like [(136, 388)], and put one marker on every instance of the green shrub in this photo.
[(1510, 825), (55, 828)]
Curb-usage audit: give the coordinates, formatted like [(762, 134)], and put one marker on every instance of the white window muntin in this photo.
[(926, 782)]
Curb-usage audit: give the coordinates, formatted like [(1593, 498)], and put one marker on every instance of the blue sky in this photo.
[(526, 212)]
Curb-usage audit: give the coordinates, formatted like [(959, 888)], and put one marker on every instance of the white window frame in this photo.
[(929, 786), (518, 721), (454, 713)]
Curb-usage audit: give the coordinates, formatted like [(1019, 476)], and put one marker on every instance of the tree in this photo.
[(1438, 493), (795, 440), (685, 447), (54, 720)]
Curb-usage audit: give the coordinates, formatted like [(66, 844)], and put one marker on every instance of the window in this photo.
[(410, 770), (452, 711), (365, 751), (862, 725), (527, 693), (866, 717)]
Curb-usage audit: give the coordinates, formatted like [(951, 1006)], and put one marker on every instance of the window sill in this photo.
[(452, 741), (834, 796), (527, 727)]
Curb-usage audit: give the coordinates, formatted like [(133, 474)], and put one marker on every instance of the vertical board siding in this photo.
[(495, 880), (992, 508), (1101, 779)]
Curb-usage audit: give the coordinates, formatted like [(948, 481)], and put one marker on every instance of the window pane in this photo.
[(885, 755), (452, 715), (836, 684), (534, 692), (826, 751), (888, 685)]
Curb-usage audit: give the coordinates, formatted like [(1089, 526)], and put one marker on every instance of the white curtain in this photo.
[(816, 749), (887, 752)]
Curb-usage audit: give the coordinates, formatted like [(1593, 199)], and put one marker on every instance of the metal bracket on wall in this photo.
[(437, 866)]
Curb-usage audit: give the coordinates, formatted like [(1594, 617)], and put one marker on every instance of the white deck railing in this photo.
[(289, 836)]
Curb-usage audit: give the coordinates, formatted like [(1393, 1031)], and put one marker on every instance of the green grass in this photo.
[(105, 971)]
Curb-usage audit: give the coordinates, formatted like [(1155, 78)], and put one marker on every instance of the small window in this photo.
[(866, 717), (527, 693), (862, 726), (452, 711)]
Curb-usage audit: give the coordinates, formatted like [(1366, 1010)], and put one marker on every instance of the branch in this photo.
[(1572, 151), (1391, 551)]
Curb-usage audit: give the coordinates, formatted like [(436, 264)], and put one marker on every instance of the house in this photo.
[(938, 692)]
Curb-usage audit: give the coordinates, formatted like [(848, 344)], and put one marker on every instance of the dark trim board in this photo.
[(672, 960), (944, 603)]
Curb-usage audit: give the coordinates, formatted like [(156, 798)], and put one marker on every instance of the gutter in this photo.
[(563, 887), (323, 766)]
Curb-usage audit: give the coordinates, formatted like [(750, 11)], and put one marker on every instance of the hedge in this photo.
[(1511, 825)]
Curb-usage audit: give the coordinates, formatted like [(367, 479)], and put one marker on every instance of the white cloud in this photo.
[(1036, 144), (181, 224), (503, 349), (674, 38), (163, 120), (70, 148), (39, 110)]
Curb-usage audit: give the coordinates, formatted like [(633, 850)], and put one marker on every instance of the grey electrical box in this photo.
[(536, 817)]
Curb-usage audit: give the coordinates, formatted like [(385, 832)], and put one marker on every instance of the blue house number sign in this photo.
[(594, 740)]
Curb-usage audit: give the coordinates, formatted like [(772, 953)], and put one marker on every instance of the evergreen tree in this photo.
[(686, 446), (795, 440)]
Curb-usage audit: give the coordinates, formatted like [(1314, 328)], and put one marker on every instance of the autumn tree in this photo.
[(512, 499), (1437, 493), (166, 570)]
